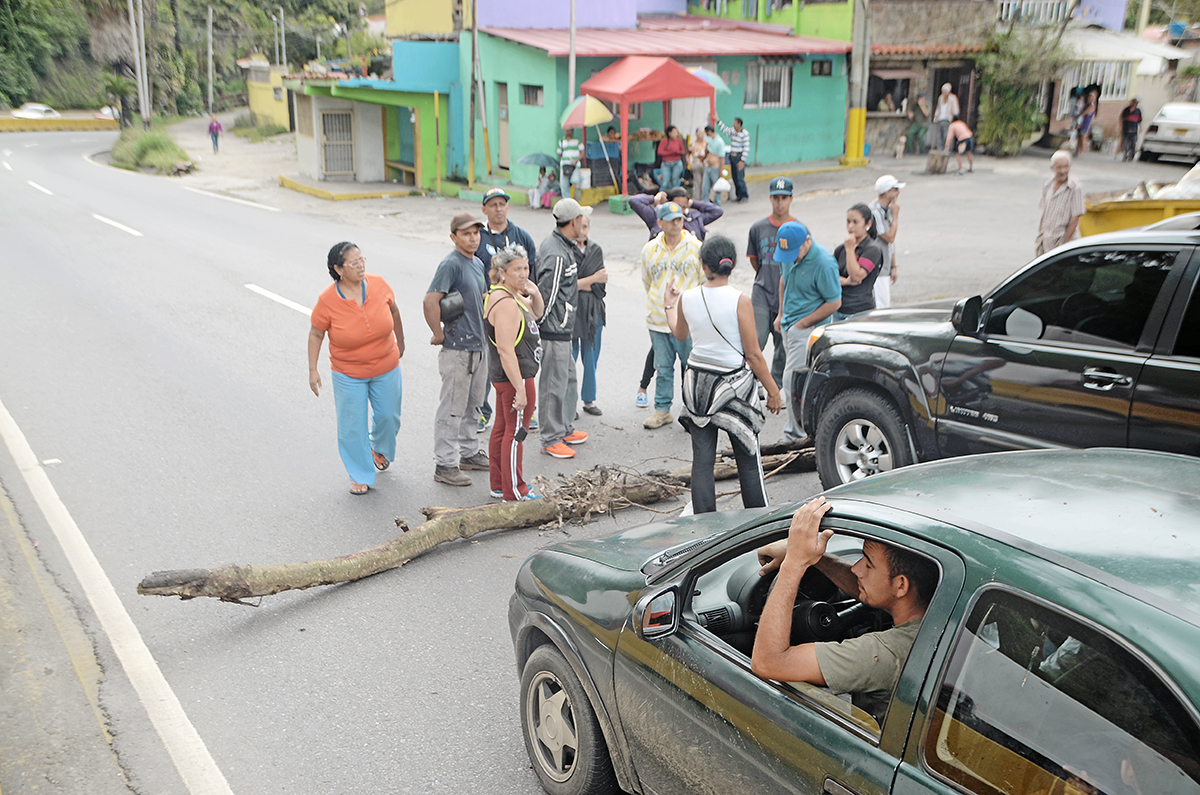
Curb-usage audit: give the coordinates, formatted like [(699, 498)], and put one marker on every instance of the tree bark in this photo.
[(601, 490)]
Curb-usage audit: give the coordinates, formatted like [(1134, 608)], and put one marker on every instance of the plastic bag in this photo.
[(722, 186)]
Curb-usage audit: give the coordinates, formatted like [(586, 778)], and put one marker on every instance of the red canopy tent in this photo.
[(642, 78)]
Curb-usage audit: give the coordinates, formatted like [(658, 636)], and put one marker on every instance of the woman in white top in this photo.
[(720, 387)]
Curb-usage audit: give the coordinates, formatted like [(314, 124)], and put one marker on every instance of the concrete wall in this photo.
[(825, 20), (662, 6), (264, 108), (405, 17), (557, 13), (425, 66), (367, 129), (931, 21), (368, 143)]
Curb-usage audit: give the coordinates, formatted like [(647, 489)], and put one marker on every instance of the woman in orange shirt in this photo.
[(366, 341)]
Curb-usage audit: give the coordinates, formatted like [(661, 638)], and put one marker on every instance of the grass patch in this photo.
[(260, 133), (140, 149)]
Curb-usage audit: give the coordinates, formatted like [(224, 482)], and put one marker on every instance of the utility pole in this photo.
[(571, 58), (210, 63), (283, 36), (138, 67), (275, 38), (145, 67), (318, 47), (860, 65), (487, 149)]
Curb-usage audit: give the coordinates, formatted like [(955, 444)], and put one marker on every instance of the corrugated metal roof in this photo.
[(925, 49), (673, 36)]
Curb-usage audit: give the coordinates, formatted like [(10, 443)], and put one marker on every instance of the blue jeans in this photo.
[(672, 172), (711, 175), (739, 177), (591, 355), (666, 349), (351, 396)]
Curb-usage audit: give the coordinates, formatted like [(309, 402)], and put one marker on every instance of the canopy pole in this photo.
[(624, 147), (604, 144)]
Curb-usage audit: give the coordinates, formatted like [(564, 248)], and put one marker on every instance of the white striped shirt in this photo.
[(1058, 206), (739, 142)]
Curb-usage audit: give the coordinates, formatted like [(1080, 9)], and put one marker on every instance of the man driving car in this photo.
[(885, 577)]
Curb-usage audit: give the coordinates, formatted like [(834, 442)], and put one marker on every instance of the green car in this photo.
[(1060, 652)]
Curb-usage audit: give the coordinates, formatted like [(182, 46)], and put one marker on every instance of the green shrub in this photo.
[(259, 133), (244, 121), (189, 102), (141, 149)]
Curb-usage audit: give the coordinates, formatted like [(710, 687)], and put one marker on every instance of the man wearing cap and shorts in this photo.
[(886, 209), (497, 233), (761, 251), (462, 361), (557, 274), (809, 293), (672, 256)]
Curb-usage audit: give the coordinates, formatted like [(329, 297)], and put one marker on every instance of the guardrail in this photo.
[(57, 125)]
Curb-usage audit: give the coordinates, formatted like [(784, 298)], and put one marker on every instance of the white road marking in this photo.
[(122, 227), (7, 152), (279, 299), (39, 187), (29, 145), (6, 165), (231, 199), (195, 765)]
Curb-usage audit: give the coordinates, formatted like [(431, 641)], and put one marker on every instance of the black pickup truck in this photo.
[(1095, 344)]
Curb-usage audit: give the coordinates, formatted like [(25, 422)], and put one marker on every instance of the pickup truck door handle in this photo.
[(1103, 380), (834, 787)]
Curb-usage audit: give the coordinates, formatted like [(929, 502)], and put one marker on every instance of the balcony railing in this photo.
[(1038, 12)]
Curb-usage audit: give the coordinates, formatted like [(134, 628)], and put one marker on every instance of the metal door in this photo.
[(337, 143), (502, 114)]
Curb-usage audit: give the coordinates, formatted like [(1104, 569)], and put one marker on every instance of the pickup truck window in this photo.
[(1097, 297), (1035, 702)]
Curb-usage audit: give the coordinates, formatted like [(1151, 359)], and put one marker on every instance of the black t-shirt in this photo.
[(860, 297), (1130, 120)]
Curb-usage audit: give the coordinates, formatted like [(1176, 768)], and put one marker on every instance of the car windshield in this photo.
[(1181, 113)]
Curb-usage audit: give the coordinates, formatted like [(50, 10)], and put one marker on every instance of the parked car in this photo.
[(1096, 343), (1058, 650), (36, 110), (1174, 131)]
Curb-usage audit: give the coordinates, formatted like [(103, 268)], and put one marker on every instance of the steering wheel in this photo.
[(1078, 307), (814, 620)]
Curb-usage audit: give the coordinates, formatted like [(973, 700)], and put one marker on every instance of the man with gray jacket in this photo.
[(556, 275)]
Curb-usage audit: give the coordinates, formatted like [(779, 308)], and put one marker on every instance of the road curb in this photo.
[(800, 172), (308, 190)]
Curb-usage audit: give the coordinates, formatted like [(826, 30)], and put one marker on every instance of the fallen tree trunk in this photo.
[(601, 490)]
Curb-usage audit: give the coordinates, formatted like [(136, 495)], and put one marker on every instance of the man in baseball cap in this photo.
[(669, 211), (569, 210), (760, 251), (886, 209), (810, 292), (462, 221)]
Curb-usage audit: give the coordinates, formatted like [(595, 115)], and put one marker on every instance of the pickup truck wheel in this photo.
[(1148, 157), (859, 434), (562, 734)]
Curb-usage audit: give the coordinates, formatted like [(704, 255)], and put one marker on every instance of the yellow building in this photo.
[(265, 92), (406, 17)]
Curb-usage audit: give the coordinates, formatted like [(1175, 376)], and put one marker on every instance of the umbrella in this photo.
[(712, 78), (584, 111), (539, 159)]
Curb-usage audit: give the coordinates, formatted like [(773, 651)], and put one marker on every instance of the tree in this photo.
[(1013, 69)]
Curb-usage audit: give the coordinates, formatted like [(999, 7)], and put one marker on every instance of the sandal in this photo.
[(358, 489), (381, 463)]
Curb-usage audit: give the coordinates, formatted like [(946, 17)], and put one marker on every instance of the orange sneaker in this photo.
[(577, 437), (559, 450)]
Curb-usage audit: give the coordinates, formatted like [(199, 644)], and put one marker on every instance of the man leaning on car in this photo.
[(886, 577)]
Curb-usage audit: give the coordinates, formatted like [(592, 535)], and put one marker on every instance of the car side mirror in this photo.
[(657, 614), (966, 316)]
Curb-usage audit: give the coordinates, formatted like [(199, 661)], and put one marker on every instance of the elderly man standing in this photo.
[(1061, 205), (557, 277), (673, 256), (462, 361), (886, 209)]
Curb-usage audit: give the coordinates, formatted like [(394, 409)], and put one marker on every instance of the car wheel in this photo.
[(859, 434), (562, 734), (1148, 157)]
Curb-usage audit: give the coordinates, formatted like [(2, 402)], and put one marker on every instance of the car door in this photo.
[(1166, 402), (697, 720), (1063, 344)]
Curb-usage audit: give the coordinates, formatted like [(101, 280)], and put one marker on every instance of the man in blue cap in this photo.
[(809, 293), (494, 235), (761, 251)]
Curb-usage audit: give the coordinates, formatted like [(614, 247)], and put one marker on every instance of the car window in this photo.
[(1098, 297), (1034, 701), (1180, 113), (1188, 341)]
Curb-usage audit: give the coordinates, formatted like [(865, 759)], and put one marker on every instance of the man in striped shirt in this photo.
[(1061, 205), (738, 153)]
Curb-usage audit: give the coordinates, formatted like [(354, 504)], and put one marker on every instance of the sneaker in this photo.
[(642, 400), (559, 450), (576, 437), (497, 494), (533, 423), (960, 171), (658, 419), (527, 497), (478, 462), (482, 426), (451, 476)]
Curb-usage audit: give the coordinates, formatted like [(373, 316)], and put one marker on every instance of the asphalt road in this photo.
[(175, 401)]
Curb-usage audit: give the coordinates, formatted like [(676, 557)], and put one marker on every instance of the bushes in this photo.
[(1013, 69), (139, 149)]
